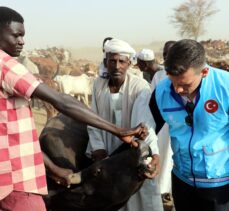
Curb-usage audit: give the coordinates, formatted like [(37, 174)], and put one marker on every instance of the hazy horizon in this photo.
[(77, 24)]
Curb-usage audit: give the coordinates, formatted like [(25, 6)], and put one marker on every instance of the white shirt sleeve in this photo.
[(160, 75), (141, 113), (95, 135)]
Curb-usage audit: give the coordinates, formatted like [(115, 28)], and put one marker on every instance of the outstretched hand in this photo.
[(128, 135)]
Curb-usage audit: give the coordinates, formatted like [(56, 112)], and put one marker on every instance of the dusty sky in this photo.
[(80, 23)]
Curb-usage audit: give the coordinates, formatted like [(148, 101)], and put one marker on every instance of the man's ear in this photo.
[(105, 62), (204, 72)]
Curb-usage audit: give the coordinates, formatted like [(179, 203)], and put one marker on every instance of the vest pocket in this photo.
[(216, 161)]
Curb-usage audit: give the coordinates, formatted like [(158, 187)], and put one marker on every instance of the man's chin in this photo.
[(15, 54), (184, 94)]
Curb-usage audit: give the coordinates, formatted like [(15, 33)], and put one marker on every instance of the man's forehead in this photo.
[(185, 78), (15, 26), (139, 61)]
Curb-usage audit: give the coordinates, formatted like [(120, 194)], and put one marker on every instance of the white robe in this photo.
[(165, 151), (135, 94)]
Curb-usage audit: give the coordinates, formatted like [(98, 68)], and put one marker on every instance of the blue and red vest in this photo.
[(200, 152)]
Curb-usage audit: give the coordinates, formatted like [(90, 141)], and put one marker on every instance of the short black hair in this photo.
[(8, 15), (166, 47), (183, 55), (169, 44)]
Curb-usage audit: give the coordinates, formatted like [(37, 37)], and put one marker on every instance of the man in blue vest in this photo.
[(193, 100)]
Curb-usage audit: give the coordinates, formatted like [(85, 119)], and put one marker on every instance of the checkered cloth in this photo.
[(21, 161)]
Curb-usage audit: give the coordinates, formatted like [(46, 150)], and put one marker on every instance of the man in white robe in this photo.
[(123, 99)]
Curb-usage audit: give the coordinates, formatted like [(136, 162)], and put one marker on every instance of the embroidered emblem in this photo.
[(211, 106)]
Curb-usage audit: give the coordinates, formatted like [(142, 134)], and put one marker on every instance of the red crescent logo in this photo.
[(211, 106)]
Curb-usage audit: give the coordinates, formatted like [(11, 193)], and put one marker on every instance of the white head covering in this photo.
[(120, 47), (146, 55)]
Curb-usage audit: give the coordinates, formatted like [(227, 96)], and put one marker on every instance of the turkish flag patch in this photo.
[(211, 106)]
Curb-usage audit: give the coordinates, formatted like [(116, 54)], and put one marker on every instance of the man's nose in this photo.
[(21, 41), (117, 65), (179, 89)]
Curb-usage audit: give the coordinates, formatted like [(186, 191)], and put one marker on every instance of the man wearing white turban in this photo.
[(147, 64), (123, 99), (120, 47)]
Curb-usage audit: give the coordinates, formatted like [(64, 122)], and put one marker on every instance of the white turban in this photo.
[(146, 55), (120, 47)]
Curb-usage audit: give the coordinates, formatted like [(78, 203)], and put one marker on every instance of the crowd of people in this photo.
[(180, 109)]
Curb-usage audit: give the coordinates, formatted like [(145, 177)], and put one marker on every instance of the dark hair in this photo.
[(166, 47), (168, 43), (184, 54), (8, 15)]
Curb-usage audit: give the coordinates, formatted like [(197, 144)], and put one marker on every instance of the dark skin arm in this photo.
[(60, 175), (78, 111)]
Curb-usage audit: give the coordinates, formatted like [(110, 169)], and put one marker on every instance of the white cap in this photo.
[(120, 47), (146, 55)]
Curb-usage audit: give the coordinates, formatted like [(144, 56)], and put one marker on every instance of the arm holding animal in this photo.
[(60, 175), (76, 110)]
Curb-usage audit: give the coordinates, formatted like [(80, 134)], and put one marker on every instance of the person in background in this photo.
[(123, 99), (165, 151), (160, 75), (192, 102), (22, 172), (102, 67), (147, 64)]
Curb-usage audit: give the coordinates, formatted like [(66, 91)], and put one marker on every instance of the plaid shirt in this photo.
[(21, 161)]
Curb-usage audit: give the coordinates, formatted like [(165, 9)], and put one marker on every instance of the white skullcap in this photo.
[(146, 55), (120, 47)]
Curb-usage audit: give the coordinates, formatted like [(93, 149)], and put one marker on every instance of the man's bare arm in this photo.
[(78, 111)]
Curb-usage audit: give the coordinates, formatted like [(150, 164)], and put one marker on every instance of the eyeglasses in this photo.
[(189, 108)]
